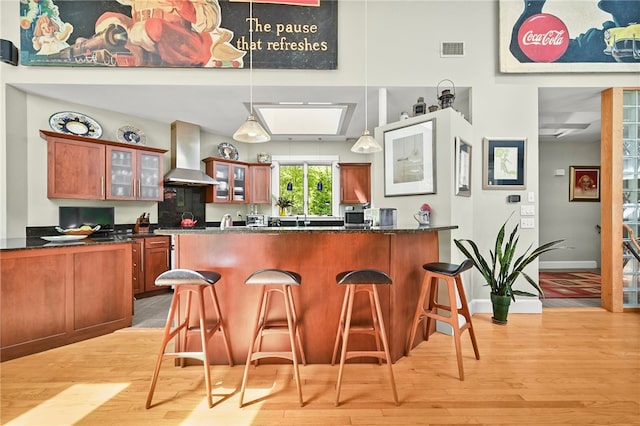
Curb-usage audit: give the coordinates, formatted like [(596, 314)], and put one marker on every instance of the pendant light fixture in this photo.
[(251, 131), (367, 144)]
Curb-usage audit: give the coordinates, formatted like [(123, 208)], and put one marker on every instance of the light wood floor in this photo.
[(566, 366)]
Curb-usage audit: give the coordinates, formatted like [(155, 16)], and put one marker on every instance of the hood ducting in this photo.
[(185, 156)]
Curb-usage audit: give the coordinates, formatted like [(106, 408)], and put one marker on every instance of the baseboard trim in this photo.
[(568, 264)]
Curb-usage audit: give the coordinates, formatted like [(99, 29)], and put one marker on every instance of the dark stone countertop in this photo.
[(304, 229), (39, 243)]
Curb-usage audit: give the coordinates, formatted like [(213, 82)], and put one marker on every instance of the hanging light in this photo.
[(367, 144), (251, 131)]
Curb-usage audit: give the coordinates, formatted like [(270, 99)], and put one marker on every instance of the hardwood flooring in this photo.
[(565, 366)]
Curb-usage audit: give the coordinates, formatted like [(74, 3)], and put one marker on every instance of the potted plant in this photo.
[(283, 203), (503, 268)]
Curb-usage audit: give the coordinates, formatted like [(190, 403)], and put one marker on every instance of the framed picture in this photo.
[(463, 168), (504, 163), (584, 183), (409, 152)]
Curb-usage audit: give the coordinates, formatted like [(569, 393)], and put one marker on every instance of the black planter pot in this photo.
[(500, 308)]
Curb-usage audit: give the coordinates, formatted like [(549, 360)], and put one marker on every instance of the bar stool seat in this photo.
[(275, 281), (188, 283), (362, 280), (450, 273)]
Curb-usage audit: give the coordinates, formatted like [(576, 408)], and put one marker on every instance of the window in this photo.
[(311, 183)]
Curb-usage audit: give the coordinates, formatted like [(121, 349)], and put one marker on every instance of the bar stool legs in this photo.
[(188, 283), (279, 282), (450, 273), (364, 280)]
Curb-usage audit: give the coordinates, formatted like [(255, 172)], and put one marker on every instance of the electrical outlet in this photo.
[(527, 223), (527, 210)]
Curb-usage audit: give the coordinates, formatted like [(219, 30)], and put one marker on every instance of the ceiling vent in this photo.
[(452, 49)]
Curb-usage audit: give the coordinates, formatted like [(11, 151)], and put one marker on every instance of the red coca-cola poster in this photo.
[(570, 36)]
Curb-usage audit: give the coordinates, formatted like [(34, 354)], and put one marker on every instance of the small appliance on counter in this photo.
[(382, 217), (255, 219), (354, 219)]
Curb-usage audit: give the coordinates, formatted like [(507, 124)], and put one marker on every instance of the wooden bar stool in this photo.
[(450, 273), (362, 280), (280, 282), (187, 283)]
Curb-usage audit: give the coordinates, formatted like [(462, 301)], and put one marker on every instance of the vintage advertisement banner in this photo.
[(291, 34), (569, 36)]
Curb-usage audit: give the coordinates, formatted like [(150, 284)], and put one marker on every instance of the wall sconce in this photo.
[(8, 52), (289, 186), (320, 187)]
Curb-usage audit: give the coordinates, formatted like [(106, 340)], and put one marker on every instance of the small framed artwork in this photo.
[(463, 168), (409, 153), (504, 163), (584, 183)]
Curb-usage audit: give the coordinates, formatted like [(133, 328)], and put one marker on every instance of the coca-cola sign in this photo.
[(543, 37)]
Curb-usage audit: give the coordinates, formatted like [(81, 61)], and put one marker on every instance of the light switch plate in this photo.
[(527, 223), (527, 210), (531, 197)]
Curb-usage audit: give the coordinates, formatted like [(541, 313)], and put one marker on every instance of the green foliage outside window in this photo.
[(319, 200)]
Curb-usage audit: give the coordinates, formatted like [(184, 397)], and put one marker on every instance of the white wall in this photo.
[(559, 218), (404, 39)]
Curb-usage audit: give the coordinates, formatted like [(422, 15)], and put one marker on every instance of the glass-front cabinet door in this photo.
[(232, 182), (149, 176), (239, 183), (120, 173), (133, 175)]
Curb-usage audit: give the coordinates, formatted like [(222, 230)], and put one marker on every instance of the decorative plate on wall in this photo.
[(74, 123), (228, 151), (130, 134)]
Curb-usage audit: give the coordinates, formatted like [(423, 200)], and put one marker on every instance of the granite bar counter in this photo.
[(318, 254)]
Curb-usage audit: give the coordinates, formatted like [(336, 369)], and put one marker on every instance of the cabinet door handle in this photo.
[(139, 187), (156, 242), (102, 186)]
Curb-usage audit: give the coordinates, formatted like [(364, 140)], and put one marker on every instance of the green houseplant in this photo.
[(283, 203), (503, 268)]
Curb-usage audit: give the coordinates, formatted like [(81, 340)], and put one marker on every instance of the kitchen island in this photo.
[(53, 294), (318, 254)]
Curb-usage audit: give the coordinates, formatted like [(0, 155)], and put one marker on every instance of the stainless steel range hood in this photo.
[(185, 156)]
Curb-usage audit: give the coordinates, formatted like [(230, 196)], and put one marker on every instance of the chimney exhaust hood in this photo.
[(185, 156)]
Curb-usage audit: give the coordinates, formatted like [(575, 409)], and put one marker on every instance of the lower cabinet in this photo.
[(54, 296), (151, 257)]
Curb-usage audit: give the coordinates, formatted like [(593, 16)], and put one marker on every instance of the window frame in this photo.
[(306, 161)]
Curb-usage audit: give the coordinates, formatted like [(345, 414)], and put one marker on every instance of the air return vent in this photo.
[(452, 49)]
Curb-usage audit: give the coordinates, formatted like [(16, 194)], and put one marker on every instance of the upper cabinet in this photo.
[(355, 183), (238, 182), (95, 169), (260, 183)]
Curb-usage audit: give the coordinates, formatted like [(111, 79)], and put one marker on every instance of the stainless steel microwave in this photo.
[(353, 218)]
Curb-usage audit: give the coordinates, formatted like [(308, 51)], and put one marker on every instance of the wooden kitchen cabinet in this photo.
[(260, 184), (96, 169), (133, 175), (75, 169), (355, 183), (151, 257)]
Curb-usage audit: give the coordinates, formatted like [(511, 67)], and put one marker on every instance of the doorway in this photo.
[(569, 122)]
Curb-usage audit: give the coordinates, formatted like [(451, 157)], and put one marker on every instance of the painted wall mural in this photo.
[(570, 35), (291, 34)]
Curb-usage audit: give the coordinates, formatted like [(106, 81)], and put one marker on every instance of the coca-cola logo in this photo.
[(543, 37)]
